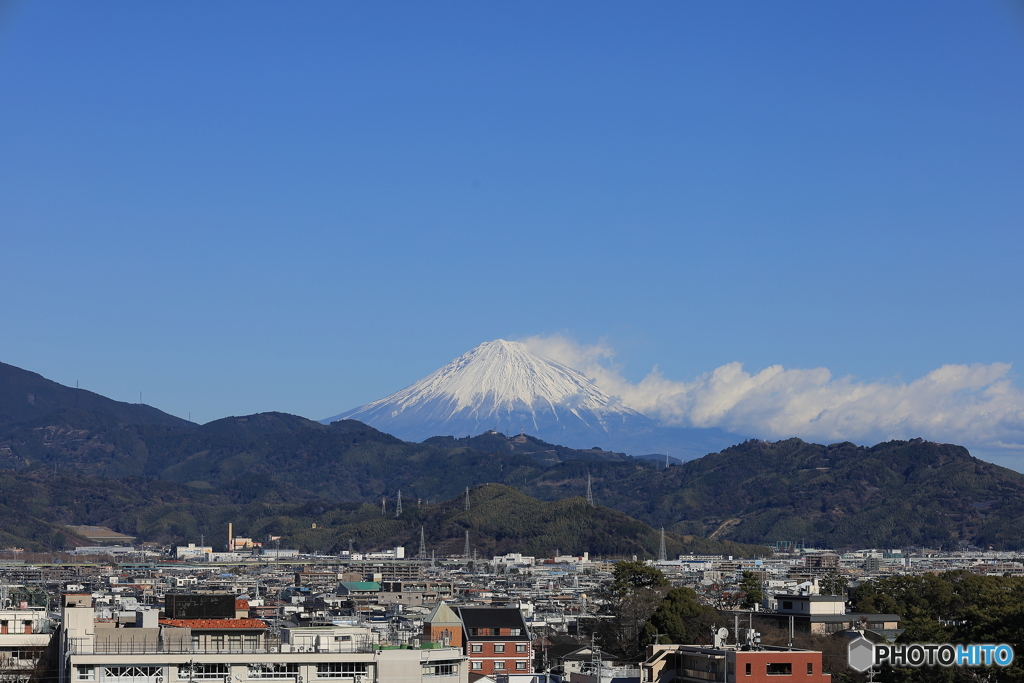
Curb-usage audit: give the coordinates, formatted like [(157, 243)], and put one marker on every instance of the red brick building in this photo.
[(495, 639), (700, 663)]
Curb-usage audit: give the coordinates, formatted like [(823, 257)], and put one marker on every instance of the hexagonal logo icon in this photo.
[(861, 654)]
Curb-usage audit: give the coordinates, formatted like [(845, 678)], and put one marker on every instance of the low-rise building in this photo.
[(24, 636), (763, 664), (155, 651)]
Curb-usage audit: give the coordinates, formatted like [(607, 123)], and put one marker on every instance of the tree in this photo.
[(751, 586), (637, 591), (678, 619), (833, 583), (631, 577)]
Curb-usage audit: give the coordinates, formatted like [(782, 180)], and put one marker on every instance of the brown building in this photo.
[(692, 663), (495, 639), (414, 592)]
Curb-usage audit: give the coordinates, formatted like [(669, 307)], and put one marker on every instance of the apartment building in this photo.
[(24, 637), (172, 650), (495, 640)]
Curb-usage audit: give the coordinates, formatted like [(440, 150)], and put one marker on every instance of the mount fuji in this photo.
[(502, 386)]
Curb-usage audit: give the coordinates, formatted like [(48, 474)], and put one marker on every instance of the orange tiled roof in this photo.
[(213, 623), (241, 604)]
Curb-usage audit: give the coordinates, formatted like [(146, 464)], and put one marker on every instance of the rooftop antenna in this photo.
[(467, 499), (423, 545), (662, 555), (398, 507), (590, 492), (465, 553)]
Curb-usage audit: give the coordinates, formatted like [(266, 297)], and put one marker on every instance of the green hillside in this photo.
[(894, 494)]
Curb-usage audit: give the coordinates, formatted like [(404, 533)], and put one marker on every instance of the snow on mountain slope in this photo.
[(500, 385)]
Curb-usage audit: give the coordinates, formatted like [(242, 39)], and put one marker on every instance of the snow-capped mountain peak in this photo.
[(498, 385)]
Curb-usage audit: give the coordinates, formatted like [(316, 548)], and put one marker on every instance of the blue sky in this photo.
[(253, 206)]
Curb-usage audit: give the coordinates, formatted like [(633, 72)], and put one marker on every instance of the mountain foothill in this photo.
[(70, 457)]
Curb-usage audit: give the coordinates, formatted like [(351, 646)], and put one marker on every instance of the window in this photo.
[(476, 647), (499, 665), (810, 669), (748, 669), (235, 642), (252, 642), (520, 666), (520, 647), (499, 647), (135, 674), (85, 673), (273, 671), (517, 631), (478, 665), (786, 604), (217, 642), (340, 669), (203, 671), (443, 667), (780, 669)]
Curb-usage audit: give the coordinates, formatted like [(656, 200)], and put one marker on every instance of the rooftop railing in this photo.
[(265, 645)]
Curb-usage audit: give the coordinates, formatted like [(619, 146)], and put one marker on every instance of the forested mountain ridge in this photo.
[(893, 494), (25, 395)]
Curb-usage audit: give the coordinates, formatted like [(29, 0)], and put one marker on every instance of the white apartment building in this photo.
[(23, 638), (224, 650)]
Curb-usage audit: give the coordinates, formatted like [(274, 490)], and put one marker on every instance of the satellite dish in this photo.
[(723, 632)]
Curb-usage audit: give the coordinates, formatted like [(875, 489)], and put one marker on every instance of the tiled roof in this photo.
[(491, 617), (213, 623), (241, 604)]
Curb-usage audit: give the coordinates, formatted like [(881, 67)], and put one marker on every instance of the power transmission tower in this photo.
[(384, 506), (662, 555), (467, 498), (423, 545), (590, 492), (398, 507), (465, 553)]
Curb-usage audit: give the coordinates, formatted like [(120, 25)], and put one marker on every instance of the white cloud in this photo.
[(974, 405)]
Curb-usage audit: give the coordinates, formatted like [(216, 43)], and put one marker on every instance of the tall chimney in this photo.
[(231, 540)]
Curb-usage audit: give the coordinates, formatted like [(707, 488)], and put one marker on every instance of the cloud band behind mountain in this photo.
[(975, 405)]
